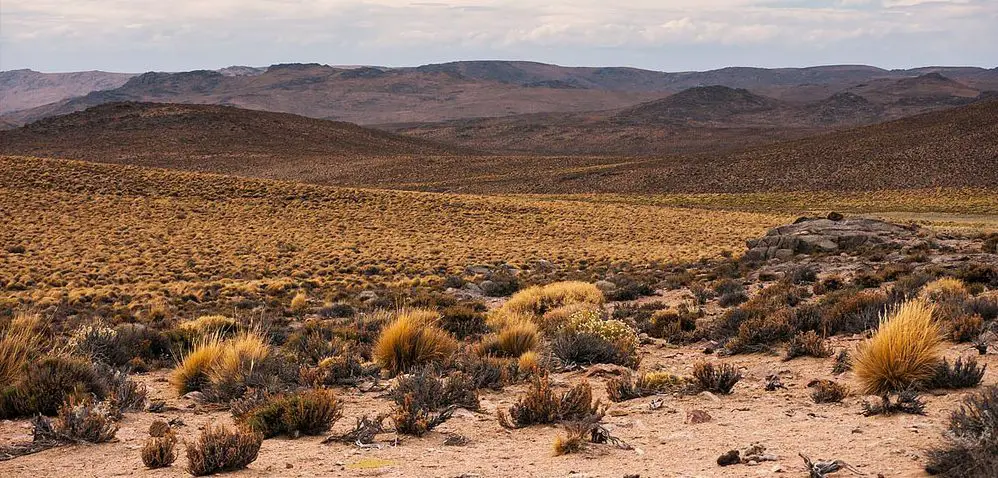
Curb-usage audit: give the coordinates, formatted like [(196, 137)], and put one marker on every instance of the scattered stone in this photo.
[(696, 417), (776, 469), (195, 396), (367, 296), (729, 458), (834, 216), (156, 406), (710, 396), (773, 383), (605, 286), (288, 466), (158, 428), (453, 439)]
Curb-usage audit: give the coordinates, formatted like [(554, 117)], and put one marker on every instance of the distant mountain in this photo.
[(209, 138), (22, 89), (460, 90), (700, 104)]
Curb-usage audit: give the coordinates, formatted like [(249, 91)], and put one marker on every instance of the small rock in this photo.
[(729, 458), (696, 417), (195, 395), (288, 466), (710, 396), (835, 216), (776, 469), (367, 295), (605, 286)]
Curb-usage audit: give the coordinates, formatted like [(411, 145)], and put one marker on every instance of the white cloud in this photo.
[(239, 28)]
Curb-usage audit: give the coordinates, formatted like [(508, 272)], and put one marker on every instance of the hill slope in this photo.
[(208, 138), (23, 89)]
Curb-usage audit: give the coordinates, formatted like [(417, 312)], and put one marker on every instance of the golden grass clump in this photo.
[(19, 342), (537, 300), (191, 374), (243, 361), (903, 353), (514, 340), (529, 362), (299, 302), (944, 289), (412, 339), (573, 440)]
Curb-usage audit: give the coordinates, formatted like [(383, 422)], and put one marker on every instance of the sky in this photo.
[(667, 35)]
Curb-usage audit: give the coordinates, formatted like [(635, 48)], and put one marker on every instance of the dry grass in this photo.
[(513, 340), (220, 449), (160, 451), (537, 300), (903, 353), (191, 374), (160, 236), (412, 339), (19, 343), (209, 324), (945, 289)]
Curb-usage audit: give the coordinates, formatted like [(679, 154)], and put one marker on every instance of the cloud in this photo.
[(144, 34)]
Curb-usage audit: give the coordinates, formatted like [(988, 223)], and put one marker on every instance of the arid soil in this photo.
[(786, 421)]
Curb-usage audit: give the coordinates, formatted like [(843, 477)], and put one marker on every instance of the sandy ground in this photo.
[(785, 421)]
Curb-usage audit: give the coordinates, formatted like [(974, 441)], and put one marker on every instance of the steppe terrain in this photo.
[(502, 269)]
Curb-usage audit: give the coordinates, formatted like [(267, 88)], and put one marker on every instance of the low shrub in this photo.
[(463, 321), (827, 391), (87, 420), (51, 381), (908, 401), (843, 362), (961, 374), (220, 449), (412, 340), (309, 412), (716, 379), (586, 349), (431, 392), (971, 440), (944, 290), (807, 344), (851, 312), (540, 405), (160, 451), (619, 389), (409, 418)]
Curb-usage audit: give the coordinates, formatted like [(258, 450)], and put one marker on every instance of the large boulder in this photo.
[(824, 235)]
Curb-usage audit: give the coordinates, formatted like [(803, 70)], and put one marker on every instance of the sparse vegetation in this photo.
[(160, 451), (541, 405), (827, 391), (412, 340), (961, 374), (309, 412), (902, 354), (716, 379), (971, 441), (220, 449), (807, 344)]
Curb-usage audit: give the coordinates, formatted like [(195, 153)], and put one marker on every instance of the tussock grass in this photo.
[(19, 342), (513, 340), (412, 339), (224, 368), (191, 374), (535, 301), (902, 354), (945, 289), (206, 325)]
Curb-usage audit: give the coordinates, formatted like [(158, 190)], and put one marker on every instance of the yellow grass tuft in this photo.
[(18, 344), (299, 303), (529, 362), (191, 373), (903, 353), (537, 300), (519, 338), (945, 289), (239, 363), (412, 339)]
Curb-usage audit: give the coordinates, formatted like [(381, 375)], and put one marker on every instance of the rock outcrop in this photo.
[(834, 234)]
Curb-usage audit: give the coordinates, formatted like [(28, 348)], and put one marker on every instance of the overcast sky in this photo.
[(670, 35)]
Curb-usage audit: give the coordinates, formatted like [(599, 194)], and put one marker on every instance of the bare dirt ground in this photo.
[(665, 445)]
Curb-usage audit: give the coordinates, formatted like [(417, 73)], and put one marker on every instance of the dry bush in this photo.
[(409, 418), (160, 451), (573, 440), (87, 420), (537, 300), (344, 368), (843, 362), (463, 321), (219, 449), (412, 340), (431, 392), (807, 344), (486, 372), (99, 342), (716, 379), (757, 333), (902, 354), (619, 389), (908, 401), (52, 380), (851, 312), (944, 290), (588, 339), (310, 412), (964, 328), (971, 440), (827, 391), (961, 374), (540, 405)]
